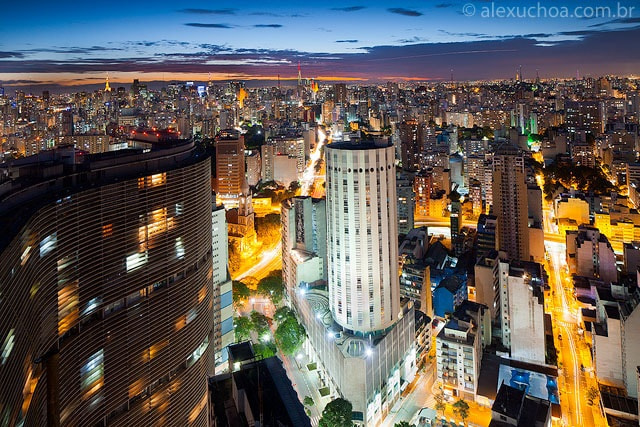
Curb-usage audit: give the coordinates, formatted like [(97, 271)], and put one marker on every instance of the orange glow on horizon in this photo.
[(89, 78)]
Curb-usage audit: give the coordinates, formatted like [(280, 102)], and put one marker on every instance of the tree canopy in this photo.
[(337, 413), (272, 287), (241, 292), (243, 328), (289, 335), (461, 409)]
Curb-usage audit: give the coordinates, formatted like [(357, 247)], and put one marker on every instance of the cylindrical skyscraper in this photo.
[(362, 236)]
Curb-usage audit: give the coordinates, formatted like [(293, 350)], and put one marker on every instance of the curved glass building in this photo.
[(106, 306)]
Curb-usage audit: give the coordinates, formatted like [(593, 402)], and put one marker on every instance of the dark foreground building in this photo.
[(105, 288), (256, 391)]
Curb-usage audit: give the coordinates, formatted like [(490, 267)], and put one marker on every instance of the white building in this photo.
[(360, 337), (362, 235), (522, 310), (590, 254), (285, 170), (222, 285), (304, 241), (616, 340), (458, 356)]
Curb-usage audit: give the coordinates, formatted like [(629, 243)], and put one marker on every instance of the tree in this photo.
[(308, 401), (264, 350), (440, 405), (272, 287), (260, 323), (282, 314), (461, 409), (403, 424), (234, 258), (289, 335), (243, 326), (241, 292), (337, 413)]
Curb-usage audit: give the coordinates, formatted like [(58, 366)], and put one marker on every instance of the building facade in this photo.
[(362, 235), (108, 268)]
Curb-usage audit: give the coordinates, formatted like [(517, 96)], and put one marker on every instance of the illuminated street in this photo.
[(572, 381)]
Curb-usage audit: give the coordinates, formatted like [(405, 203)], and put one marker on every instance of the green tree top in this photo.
[(337, 413)]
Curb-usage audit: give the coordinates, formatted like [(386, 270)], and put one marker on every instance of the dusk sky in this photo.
[(53, 43)]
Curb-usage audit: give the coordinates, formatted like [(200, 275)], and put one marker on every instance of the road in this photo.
[(270, 259), (305, 384), (417, 396), (574, 358)]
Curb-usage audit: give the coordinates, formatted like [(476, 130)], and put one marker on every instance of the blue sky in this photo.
[(54, 42)]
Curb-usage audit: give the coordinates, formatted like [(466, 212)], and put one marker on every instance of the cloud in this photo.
[(443, 5), (209, 11), (268, 26), (414, 39), (203, 25), (11, 55), (348, 8), (347, 41), (278, 15), (470, 59), (618, 21), (403, 11)]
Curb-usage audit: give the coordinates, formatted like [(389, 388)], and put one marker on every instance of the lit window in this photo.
[(92, 374), (7, 346), (92, 305), (48, 244), (107, 230), (179, 248), (68, 301), (25, 255), (136, 260)]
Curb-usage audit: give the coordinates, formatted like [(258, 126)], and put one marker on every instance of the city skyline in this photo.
[(332, 41)]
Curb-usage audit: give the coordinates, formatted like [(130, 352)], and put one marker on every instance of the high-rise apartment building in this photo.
[(362, 236), (406, 202), (223, 334), (105, 283), (304, 241), (358, 331), (230, 166), (510, 204), (410, 144)]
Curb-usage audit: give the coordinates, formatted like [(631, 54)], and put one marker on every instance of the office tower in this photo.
[(583, 115), (107, 260), (455, 223), (304, 241), (406, 202), (253, 167), (423, 187), (510, 204), (229, 166), (268, 154), (341, 93), (410, 145), (222, 285), (362, 235)]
